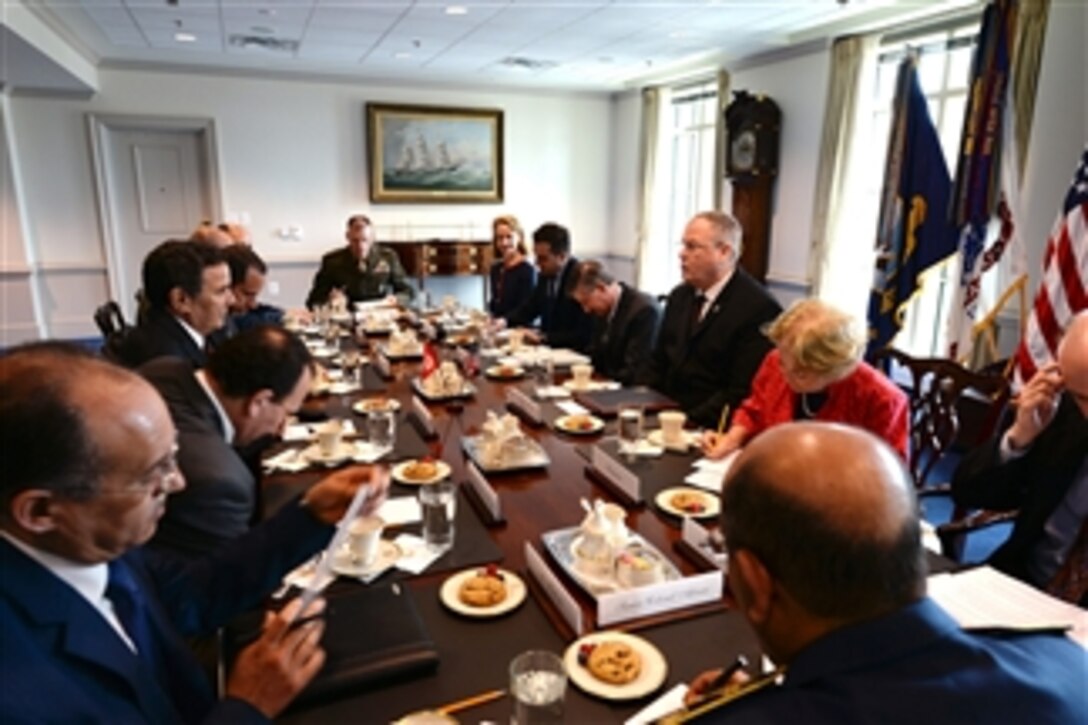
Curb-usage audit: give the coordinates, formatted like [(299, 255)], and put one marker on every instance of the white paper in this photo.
[(367, 452), (302, 577), (570, 407), (484, 490), (656, 598), (554, 590), (711, 481), (552, 392), (617, 473), (400, 510), (288, 460), (416, 556), (423, 414), (930, 539), (721, 466), (297, 432), (526, 405), (984, 598), (670, 702)]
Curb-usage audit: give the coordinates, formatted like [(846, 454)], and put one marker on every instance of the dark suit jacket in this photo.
[(219, 502), (621, 348), (713, 365), (562, 319), (62, 662), (160, 335), (510, 288), (382, 276), (1035, 483)]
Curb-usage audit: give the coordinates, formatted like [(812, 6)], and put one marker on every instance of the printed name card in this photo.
[(616, 473), (423, 415), (488, 496), (529, 407), (699, 538), (560, 597), (656, 598), (381, 364)]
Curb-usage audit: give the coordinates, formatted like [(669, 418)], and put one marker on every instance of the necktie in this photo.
[(697, 310), (131, 609)]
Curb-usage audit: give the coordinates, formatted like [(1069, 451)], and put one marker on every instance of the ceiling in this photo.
[(593, 45)]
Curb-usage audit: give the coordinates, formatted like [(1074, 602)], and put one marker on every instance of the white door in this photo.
[(157, 188)]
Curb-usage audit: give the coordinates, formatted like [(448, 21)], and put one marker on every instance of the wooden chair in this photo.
[(110, 319), (940, 390)]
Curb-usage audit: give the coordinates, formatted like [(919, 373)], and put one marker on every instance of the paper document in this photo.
[(671, 701), (400, 510), (570, 407), (984, 597)]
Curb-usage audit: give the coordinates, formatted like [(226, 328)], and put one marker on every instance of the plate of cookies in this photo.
[(483, 592), (580, 424), (685, 501), (505, 372), (376, 404), (615, 665), (420, 472)]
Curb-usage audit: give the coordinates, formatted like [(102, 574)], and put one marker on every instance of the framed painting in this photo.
[(431, 154)]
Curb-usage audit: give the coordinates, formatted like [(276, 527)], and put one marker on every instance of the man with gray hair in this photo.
[(710, 344), (625, 322)]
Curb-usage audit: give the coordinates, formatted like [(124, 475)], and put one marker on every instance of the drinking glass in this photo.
[(349, 361), (381, 428), (438, 503), (538, 685), (630, 428)]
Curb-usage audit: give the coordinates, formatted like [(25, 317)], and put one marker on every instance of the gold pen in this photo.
[(471, 701), (722, 418)]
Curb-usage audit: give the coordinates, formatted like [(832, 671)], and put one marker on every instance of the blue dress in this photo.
[(510, 287)]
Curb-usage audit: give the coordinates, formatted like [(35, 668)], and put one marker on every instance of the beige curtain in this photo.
[(721, 138), (647, 144), (840, 112), (1027, 58)]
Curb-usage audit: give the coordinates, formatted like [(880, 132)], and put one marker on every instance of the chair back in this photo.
[(937, 385), (109, 319)]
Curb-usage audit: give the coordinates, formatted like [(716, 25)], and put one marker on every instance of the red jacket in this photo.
[(865, 398)]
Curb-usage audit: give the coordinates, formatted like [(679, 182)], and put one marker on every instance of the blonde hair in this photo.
[(511, 221), (822, 339)]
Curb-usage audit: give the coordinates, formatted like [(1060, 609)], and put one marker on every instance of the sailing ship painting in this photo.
[(428, 154)]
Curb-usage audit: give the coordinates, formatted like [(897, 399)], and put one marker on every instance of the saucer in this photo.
[(343, 452), (651, 676), (690, 440), (388, 552), (451, 588), (505, 372)]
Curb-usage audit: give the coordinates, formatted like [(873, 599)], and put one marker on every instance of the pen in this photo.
[(722, 418), (719, 682)]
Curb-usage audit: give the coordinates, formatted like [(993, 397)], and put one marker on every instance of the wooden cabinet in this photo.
[(444, 258)]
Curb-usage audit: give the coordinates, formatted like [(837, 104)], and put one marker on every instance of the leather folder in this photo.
[(373, 634), (607, 403)]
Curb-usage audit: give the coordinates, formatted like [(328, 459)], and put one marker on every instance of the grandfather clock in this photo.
[(751, 163)]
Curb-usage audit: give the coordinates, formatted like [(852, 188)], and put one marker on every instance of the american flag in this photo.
[(1064, 288)]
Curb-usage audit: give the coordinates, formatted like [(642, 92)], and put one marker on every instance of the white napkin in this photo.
[(570, 407), (400, 510), (548, 392), (710, 480), (297, 432), (367, 452), (671, 701), (288, 460), (416, 556), (303, 575), (645, 448)]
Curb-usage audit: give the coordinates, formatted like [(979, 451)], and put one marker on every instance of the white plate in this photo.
[(324, 353), (591, 385), (451, 588), (341, 387), (392, 404), (496, 372), (710, 501), (690, 439), (388, 553), (398, 473), (343, 452), (654, 668), (563, 423)]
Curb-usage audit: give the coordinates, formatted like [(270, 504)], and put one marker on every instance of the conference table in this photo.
[(474, 654)]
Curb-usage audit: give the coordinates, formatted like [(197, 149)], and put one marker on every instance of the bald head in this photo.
[(1073, 360), (829, 510)]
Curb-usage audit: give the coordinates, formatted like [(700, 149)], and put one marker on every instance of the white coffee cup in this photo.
[(329, 436), (581, 374), (364, 535), (672, 427)]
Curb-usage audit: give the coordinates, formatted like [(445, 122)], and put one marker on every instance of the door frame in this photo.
[(99, 125)]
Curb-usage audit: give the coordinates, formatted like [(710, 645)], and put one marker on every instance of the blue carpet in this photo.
[(938, 510)]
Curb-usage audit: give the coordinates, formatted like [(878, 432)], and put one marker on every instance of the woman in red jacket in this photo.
[(816, 372)]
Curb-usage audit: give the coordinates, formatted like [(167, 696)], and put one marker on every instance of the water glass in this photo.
[(349, 361), (538, 685), (438, 503), (630, 427), (332, 336), (381, 428)]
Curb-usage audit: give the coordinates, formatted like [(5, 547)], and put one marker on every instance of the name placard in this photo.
[(560, 597), (488, 496), (381, 364), (616, 473), (530, 408), (656, 598), (423, 415), (699, 538)]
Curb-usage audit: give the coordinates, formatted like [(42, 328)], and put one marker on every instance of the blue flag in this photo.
[(913, 232)]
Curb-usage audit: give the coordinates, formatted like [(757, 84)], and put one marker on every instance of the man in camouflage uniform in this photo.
[(362, 269)]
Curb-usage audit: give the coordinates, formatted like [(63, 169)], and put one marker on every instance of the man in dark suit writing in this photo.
[(710, 343), (624, 325), (92, 622)]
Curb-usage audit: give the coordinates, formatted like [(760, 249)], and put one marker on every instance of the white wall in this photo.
[(292, 153)]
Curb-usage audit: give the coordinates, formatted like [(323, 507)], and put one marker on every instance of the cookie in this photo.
[(614, 662), (482, 590), (690, 502), (421, 471)]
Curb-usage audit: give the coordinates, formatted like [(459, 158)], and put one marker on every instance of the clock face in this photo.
[(743, 150)]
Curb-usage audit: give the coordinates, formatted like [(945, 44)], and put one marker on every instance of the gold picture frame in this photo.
[(434, 154)]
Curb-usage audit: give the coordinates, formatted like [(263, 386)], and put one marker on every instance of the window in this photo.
[(688, 125)]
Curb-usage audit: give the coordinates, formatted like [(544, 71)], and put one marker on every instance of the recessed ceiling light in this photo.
[(185, 37), (402, 55), (456, 10)]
